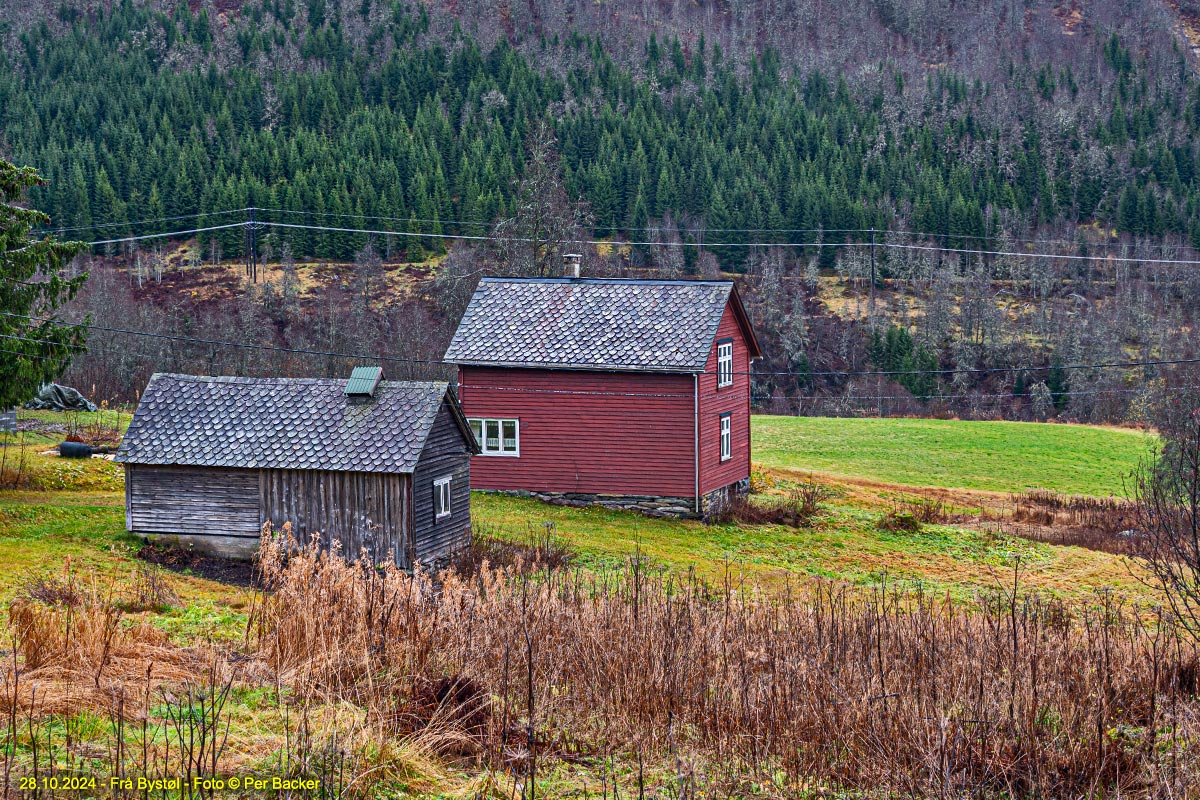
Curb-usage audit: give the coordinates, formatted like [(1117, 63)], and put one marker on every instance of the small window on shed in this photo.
[(726, 437), (724, 363), (441, 497)]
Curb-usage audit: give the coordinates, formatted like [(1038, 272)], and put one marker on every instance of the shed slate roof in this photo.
[(572, 323), (282, 423)]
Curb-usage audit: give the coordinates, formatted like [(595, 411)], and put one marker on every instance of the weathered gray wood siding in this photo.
[(357, 509), (192, 501), (446, 453)]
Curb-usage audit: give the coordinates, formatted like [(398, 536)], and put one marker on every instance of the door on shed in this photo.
[(196, 501)]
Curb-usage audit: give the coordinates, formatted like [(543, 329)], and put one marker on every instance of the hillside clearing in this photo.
[(989, 456)]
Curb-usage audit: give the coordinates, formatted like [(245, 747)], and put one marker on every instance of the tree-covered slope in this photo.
[(381, 108), (703, 134)]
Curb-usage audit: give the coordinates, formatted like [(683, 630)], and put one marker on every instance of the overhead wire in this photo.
[(490, 238), (243, 345), (692, 230), (140, 222)]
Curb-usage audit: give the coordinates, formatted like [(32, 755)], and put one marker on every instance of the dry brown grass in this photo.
[(87, 690), (873, 692), (378, 678), (71, 641), (1097, 523)]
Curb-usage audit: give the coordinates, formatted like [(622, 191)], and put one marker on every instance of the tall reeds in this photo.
[(875, 691)]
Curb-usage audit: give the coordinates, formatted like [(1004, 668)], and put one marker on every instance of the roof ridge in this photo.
[(283, 380), (653, 281)]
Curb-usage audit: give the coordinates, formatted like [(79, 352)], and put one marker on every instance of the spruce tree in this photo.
[(37, 345)]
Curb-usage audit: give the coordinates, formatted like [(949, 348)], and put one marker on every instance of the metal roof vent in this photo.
[(571, 262), (363, 380)]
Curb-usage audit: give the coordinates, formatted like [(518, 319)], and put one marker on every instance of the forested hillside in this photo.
[(362, 109), (702, 133)]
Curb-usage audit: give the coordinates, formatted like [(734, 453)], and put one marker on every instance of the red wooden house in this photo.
[(629, 393)]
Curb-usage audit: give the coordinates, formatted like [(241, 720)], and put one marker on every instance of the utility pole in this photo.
[(871, 323), (871, 301), (253, 249)]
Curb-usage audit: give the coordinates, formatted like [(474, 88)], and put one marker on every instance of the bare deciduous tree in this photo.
[(1168, 510), (545, 223)]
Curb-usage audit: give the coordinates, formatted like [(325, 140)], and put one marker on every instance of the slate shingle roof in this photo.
[(280, 423), (628, 325)]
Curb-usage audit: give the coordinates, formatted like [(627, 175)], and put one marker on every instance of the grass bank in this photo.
[(989, 456)]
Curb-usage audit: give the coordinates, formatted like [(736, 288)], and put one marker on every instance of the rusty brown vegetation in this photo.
[(873, 691), (1097, 523), (680, 687)]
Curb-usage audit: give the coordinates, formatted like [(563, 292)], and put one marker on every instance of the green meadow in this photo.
[(955, 454)]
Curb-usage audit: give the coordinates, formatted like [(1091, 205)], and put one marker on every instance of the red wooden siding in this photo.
[(591, 432), (714, 402)]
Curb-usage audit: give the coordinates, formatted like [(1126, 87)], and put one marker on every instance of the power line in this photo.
[(819, 373), (589, 392), (1019, 254), (140, 222), (466, 237), (43, 341), (481, 223), (888, 245), (705, 230), (44, 356), (1164, 362), (171, 234), (967, 396)]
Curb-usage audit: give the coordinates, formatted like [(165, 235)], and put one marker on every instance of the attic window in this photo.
[(724, 363), (363, 381)]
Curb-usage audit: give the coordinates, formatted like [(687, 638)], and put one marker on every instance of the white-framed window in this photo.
[(724, 363), (726, 437), (441, 497), (497, 437)]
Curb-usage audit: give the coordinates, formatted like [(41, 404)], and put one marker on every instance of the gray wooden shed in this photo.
[(380, 465)]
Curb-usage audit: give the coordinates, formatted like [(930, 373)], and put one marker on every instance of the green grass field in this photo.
[(843, 543), (75, 510), (991, 456)]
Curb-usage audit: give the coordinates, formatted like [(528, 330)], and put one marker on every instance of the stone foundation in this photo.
[(715, 501), (238, 548), (650, 505)]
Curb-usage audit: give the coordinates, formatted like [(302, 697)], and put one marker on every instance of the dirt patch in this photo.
[(873, 493), (1189, 25), (1070, 15), (214, 568)]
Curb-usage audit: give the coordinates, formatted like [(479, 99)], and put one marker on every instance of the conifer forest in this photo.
[(984, 200)]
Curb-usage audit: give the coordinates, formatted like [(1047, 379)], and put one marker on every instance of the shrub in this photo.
[(541, 548), (797, 509), (896, 521)]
